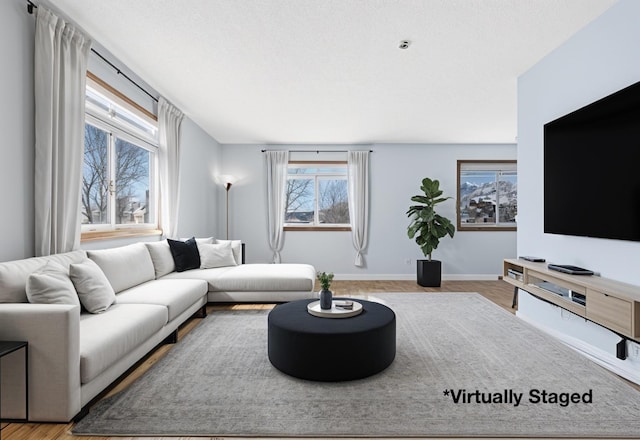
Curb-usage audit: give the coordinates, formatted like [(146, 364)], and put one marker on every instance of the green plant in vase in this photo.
[(326, 297)]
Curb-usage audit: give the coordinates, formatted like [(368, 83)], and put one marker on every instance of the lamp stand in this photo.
[(227, 186)]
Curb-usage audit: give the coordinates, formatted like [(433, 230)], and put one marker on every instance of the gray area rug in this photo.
[(502, 376)]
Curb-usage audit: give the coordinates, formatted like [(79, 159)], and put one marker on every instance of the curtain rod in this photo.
[(316, 151), (119, 72), (31, 6)]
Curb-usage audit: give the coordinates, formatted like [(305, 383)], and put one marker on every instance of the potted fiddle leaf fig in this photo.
[(427, 227)]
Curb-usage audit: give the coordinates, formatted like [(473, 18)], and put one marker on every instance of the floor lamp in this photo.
[(227, 181)]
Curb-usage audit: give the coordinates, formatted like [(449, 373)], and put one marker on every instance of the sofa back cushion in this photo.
[(161, 257), (14, 274), (125, 266)]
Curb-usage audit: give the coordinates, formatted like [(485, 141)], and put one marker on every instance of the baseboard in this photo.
[(412, 277)]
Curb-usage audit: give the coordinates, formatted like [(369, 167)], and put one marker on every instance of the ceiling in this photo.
[(331, 71)]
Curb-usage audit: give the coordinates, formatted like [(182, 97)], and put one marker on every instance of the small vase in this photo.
[(326, 299)]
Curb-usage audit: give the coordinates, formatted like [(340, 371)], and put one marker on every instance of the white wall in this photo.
[(16, 126), (396, 173), (601, 59), (201, 153), (199, 198)]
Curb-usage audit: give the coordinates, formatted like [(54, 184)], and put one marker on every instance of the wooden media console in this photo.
[(609, 303)]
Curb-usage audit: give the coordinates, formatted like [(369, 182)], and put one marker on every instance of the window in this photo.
[(487, 195), (317, 196), (119, 171)]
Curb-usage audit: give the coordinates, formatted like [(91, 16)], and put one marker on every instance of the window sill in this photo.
[(486, 228), (119, 233), (317, 228)]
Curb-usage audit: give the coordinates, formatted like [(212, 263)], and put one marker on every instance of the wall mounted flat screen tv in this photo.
[(592, 169)]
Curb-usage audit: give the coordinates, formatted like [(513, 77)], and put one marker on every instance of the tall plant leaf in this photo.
[(427, 227)]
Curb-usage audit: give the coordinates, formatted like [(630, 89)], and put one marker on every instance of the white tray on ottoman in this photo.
[(334, 312)]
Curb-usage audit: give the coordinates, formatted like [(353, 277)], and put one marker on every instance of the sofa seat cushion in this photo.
[(255, 277), (107, 337), (176, 295)]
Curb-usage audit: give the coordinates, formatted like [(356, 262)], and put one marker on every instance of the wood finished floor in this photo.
[(497, 291)]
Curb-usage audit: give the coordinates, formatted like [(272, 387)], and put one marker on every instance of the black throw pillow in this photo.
[(185, 254)]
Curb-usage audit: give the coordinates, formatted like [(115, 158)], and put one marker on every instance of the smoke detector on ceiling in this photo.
[(404, 44)]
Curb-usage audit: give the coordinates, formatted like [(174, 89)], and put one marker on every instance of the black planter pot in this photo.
[(429, 273)]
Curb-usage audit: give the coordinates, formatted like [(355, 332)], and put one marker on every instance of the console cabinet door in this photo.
[(610, 311)]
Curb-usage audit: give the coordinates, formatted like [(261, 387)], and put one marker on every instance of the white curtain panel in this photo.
[(169, 122), (358, 182), (276, 198), (60, 67)]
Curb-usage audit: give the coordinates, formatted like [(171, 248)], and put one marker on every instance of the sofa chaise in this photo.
[(74, 355)]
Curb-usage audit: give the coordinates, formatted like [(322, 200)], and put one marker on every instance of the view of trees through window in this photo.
[(317, 195), (95, 178), (123, 187)]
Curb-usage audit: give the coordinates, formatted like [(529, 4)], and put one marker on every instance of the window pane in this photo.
[(95, 99), (115, 113), (316, 170), (332, 203), (508, 197), (488, 195), (132, 183), (300, 201), (136, 122), (478, 197), (95, 177), (301, 170)]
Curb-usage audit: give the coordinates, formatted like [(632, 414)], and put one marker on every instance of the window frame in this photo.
[(148, 141), (317, 177), (485, 165)]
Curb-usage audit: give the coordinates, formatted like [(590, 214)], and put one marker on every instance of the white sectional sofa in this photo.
[(240, 282), (74, 355)]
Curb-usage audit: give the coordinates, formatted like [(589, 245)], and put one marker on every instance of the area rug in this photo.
[(463, 367)]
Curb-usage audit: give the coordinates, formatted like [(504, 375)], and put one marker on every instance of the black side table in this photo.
[(6, 348)]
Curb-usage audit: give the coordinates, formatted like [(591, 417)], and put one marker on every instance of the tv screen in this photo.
[(592, 169)]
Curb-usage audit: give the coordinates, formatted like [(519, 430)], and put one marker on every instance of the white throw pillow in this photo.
[(161, 257), (216, 255), (51, 285), (236, 247), (92, 285)]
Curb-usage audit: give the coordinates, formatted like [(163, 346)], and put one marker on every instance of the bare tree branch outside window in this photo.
[(95, 179), (299, 199), (328, 206), (131, 185), (333, 203)]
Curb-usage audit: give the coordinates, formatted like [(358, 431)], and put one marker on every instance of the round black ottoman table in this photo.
[(331, 349)]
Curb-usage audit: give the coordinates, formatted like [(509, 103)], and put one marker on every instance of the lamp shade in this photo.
[(226, 180)]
